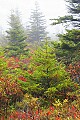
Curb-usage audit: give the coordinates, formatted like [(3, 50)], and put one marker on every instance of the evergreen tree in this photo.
[(74, 6), (74, 10), (37, 26), (16, 36), (68, 48), (74, 14), (48, 77)]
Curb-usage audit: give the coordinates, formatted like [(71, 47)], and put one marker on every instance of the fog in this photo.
[(50, 8)]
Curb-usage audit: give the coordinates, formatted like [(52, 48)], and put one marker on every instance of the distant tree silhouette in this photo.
[(37, 25), (16, 36)]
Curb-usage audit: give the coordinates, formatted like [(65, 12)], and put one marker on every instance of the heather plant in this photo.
[(38, 87), (74, 71), (58, 111)]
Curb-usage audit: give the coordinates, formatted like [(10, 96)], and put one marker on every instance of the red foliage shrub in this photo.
[(74, 71)]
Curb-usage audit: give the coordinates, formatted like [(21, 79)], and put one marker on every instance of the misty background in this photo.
[(50, 9)]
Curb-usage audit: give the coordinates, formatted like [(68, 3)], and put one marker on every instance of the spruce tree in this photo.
[(37, 25), (48, 77), (73, 16), (74, 10), (16, 36), (68, 48)]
